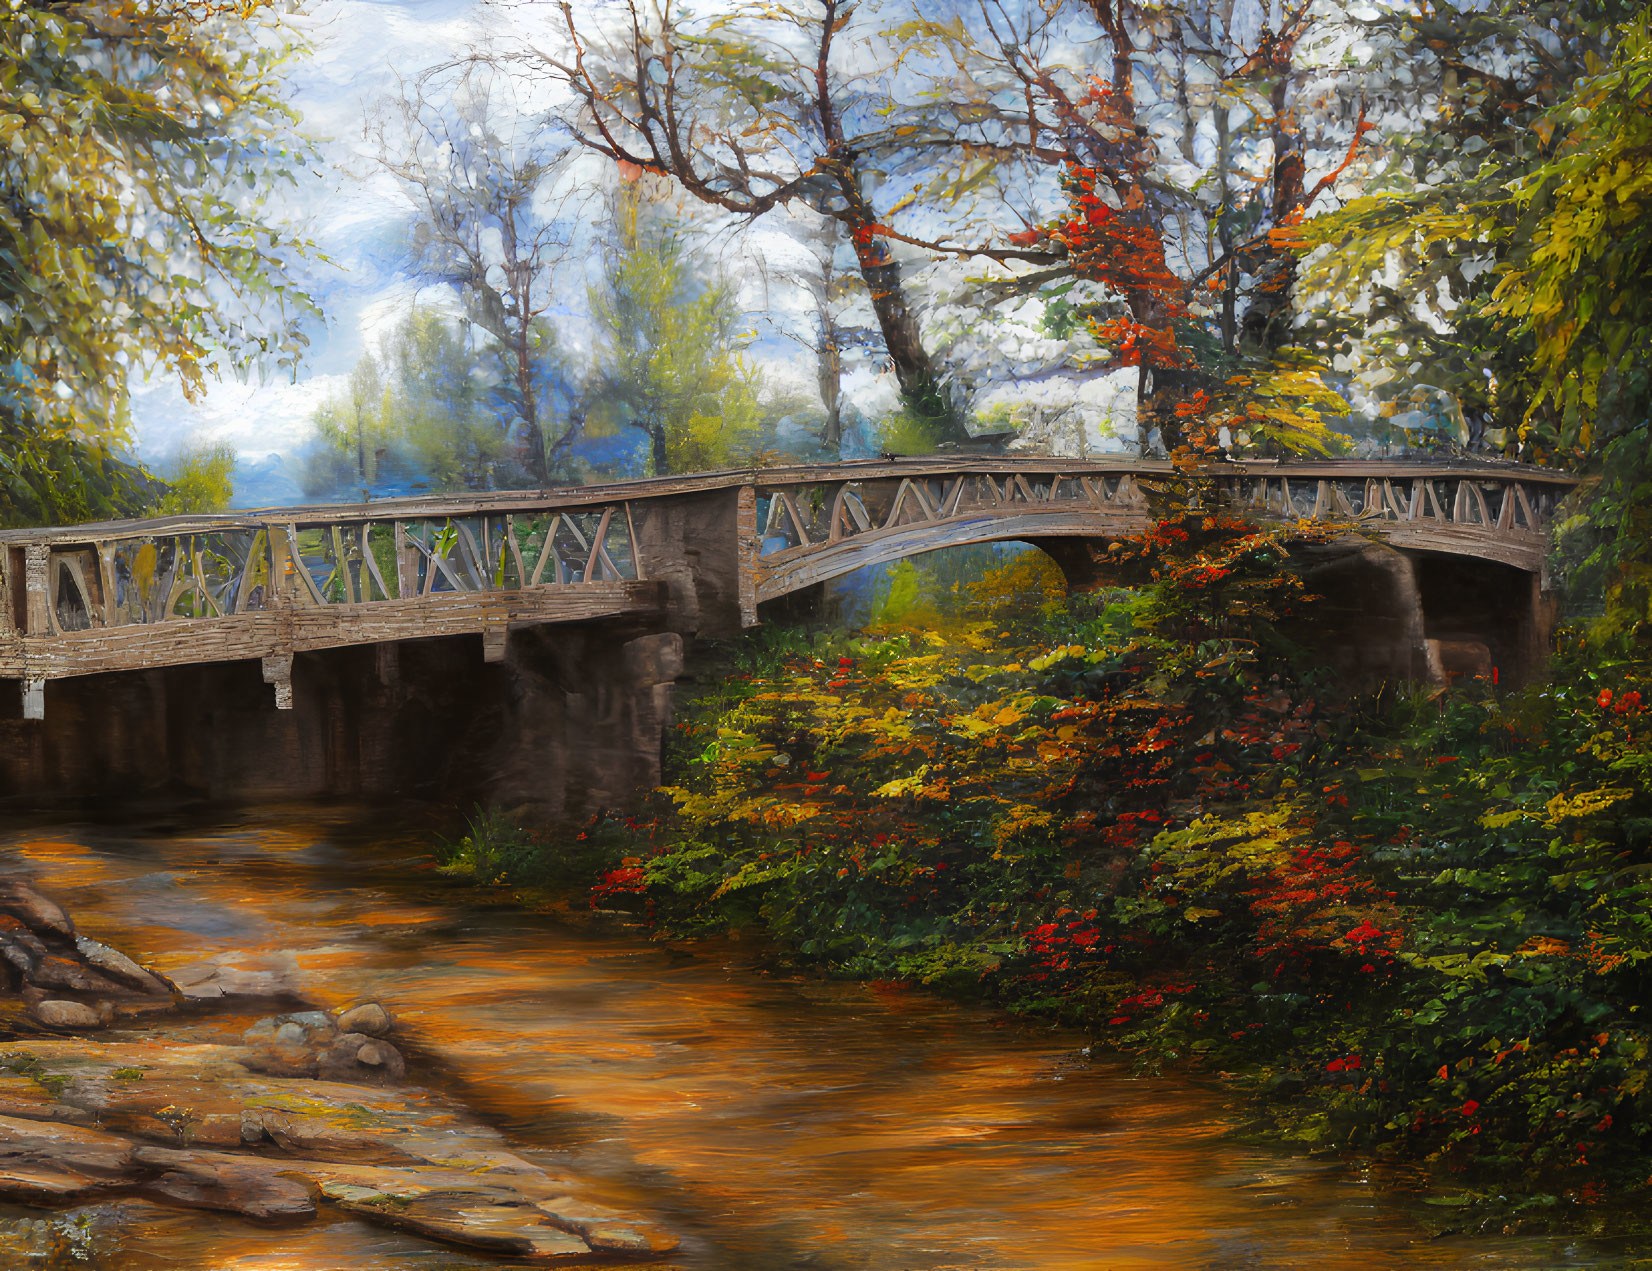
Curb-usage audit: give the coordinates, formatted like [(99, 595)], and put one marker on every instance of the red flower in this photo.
[(1470, 1108), (1605, 698)]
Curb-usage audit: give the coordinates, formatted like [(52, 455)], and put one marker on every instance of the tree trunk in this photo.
[(1267, 320), (921, 392), (529, 408), (829, 375), (656, 435)]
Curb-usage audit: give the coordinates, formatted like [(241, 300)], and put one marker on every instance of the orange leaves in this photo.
[(1138, 345), (869, 250), (1193, 406), (1118, 246)]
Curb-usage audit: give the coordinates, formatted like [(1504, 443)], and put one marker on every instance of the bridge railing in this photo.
[(1494, 502), (799, 516), (128, 595), (226, 569)]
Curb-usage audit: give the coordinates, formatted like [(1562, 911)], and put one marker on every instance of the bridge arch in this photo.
[(1062, 538)]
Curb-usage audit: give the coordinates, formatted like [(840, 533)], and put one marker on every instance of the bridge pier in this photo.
[(1072, 556), (571, 720), (1398, 615)]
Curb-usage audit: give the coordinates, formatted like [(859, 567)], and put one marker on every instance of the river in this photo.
[(773, 1122)]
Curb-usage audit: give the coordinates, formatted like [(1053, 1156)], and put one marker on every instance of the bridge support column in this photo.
[(278, 670), (1072, 556), (703, 546), (34, 699), (1368, 621)]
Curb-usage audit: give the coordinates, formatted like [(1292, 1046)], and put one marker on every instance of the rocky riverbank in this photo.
[(118, 1081)]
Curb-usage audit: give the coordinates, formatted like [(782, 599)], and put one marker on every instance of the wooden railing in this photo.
[(131, 594)]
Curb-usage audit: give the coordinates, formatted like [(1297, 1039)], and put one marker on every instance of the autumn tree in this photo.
[(667, 360), (757, 107), (489, 220), (1406, 274), (134, 141), (1183, 146)]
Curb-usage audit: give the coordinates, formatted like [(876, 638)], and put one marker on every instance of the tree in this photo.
[(1576, 290), (754, 108), (133, 140), (666, 359), (487, 223), (1180, 146), (1579, 280), (414, 412), (202, 479), (828, 334), (1405, 273)]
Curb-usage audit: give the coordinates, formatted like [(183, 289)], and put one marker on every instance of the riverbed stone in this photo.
[(358, 1057), (117, 966), (60, 1013), (370, 1018), (39, 913), (250, 1186), (209, 981), (49, 1162), (54, 972), (202, 1124), (604, 1229), (493, 1220)]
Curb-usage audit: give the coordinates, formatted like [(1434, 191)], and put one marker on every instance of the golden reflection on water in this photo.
[(773, 1122)]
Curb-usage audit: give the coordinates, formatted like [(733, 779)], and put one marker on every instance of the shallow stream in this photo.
[(772, 1122)]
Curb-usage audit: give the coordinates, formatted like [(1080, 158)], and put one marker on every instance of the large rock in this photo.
[(250, 1186), (54, 972), (58, 1013), (117, 966), (49, 1162), (36, 911), (209, 981), (19, 946), (370, 1018), (483, 1218)]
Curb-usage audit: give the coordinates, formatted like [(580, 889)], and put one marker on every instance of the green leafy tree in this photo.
[(202, 479), (415, 411), (133, 139), (668, 361), (1576, 292), (1405, 274), (1579, 283)]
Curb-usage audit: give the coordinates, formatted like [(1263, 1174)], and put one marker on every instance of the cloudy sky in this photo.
[(355, 215)]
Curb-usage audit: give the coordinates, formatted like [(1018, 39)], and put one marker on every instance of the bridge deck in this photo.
[(126, 595)]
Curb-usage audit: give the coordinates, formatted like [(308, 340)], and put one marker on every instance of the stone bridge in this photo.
[(603, 581)]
